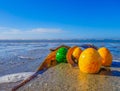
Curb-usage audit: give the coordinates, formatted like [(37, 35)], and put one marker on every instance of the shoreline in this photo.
[(63, 77)]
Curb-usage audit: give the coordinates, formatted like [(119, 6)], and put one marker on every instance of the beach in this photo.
[(20, 60), (63, 77)]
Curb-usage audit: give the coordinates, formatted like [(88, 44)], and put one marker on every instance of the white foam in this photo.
[(25, 57), (116, 60), (15, 77)]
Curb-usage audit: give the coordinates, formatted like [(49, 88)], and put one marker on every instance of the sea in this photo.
[(20, 58)]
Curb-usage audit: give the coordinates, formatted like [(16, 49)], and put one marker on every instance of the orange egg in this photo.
[(90, 61), (76, 53), (69, 56), (106, 56)]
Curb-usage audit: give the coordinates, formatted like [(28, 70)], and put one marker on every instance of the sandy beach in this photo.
[(63, 77)]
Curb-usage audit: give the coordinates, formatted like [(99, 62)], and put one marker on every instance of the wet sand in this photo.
[(63, 77)]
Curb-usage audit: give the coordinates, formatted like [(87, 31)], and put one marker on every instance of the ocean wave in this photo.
[(116, 60), (15, 77), (25, 57), (40, 45)]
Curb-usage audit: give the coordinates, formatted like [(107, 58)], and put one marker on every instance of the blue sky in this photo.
[(59, 19)]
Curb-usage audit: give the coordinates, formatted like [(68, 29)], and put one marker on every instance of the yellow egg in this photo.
[(106, 56), (90, 61), (76, 53)]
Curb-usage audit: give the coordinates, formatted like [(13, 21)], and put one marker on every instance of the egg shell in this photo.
[(76, 53), (90, 61), (106, 56), (61, 55)]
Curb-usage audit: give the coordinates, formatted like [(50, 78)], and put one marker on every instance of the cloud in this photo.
[(13, 33), (4, 30), (46, 30)]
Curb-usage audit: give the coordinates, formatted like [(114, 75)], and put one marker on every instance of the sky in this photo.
[(59, 19)]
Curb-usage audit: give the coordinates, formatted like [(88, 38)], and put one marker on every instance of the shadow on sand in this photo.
[(112, 72)]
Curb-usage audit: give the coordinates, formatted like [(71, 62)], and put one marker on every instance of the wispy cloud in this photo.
[(45, 30), (5, 30), (13, 33)]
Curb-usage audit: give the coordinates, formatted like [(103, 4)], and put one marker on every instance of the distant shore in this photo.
[(59, 40)]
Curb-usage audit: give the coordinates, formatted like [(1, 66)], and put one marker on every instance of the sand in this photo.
[(63, 77)]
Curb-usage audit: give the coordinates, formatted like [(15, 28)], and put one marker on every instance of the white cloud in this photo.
[(45, 30), (12, 33), (4, 30)]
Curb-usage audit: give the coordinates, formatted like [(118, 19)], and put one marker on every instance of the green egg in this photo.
[(61, 55)]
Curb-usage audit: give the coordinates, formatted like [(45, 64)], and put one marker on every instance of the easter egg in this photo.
[(90, 61), (76, 53), (61, 55), (106, 56)]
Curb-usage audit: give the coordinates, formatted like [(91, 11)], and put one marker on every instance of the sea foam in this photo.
[(15, 77)]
